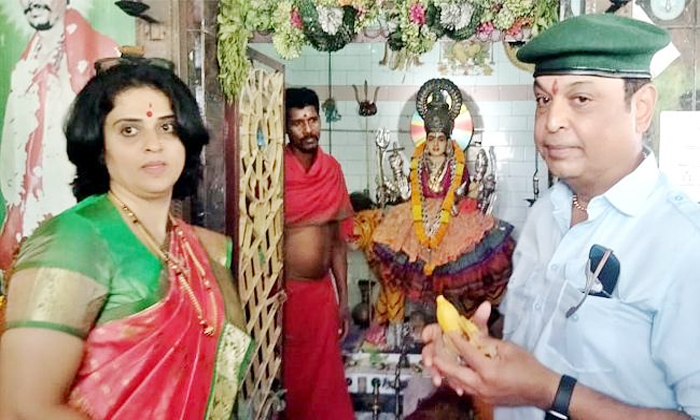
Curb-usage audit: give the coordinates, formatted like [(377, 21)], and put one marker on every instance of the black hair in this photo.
[(361, 201), (300, 98), (84, 128)]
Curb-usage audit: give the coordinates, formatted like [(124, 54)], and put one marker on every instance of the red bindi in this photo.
[(149, 113), (555, 87)]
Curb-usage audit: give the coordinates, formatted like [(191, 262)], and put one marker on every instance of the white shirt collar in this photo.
[(627, 195)]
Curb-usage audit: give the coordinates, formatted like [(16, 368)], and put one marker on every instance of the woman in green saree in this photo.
[(116, 309)]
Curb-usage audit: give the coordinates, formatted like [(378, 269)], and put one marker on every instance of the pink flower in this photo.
[(296, 19), (416, 14), (484, 31), (516, 31)]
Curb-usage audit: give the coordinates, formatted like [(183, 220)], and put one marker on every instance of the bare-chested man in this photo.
[(317, 209)]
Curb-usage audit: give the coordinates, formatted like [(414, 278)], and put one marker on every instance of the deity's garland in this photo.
[(426, 239)]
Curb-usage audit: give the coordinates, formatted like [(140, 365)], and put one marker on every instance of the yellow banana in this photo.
[(450, 320), (447, 316)]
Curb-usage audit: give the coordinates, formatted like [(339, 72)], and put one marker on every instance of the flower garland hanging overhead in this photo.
[(455, 19), (413, 26), (328, 27), (412, 33), (288, 36)]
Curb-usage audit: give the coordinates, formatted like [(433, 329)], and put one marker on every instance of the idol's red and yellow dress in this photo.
[(470, 261)]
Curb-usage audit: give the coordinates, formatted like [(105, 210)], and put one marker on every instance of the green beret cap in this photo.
[(596, 44)]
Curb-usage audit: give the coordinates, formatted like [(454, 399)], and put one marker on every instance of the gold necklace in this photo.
[(577, 204), (172, 263), (574, 198), (436, 173)]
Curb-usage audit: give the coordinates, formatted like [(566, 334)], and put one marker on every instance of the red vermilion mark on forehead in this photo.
[(149, 113), (555, 87)]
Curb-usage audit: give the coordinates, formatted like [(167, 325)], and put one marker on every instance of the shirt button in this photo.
[(679, 197), (574, 317), (538, 306), (554, 267)]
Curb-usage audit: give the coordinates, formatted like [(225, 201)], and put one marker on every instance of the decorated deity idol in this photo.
[(441, 241)]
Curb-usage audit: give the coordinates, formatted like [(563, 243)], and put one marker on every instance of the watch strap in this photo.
[(560, 407)]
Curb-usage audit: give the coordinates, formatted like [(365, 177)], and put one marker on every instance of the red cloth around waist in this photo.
[(313, 370)]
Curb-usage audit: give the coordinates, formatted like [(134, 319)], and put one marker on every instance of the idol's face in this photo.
[(436, 143)]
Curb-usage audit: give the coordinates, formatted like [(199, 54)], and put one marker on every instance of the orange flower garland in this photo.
[(433, 241)]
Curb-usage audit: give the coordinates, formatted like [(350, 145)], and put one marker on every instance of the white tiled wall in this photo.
[(502, 107)]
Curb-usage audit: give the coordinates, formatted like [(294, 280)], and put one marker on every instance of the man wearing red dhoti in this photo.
[(35, 174), (317, 220)]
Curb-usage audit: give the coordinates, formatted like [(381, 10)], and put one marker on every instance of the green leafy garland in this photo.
[(232, 43)]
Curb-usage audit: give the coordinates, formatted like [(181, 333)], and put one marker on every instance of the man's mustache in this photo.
[(36, 6)]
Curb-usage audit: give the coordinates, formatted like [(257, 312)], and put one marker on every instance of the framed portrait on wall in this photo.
[(49, 47)]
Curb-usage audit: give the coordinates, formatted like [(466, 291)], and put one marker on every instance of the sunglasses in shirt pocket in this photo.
[(608, 275)]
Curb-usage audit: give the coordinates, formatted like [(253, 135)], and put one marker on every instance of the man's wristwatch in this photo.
[(560, 406)]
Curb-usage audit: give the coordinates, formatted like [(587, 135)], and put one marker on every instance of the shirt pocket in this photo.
[(591, 339)]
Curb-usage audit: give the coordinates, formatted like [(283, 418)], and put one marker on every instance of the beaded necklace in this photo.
[(436, 174), (577, 204), (182, 274), (584, 208)]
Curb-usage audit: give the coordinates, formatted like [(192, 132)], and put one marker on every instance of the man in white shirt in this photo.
[(620, 342)]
